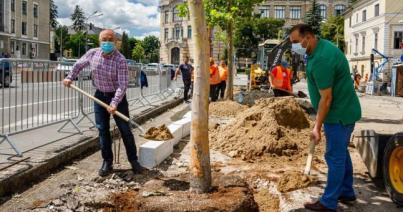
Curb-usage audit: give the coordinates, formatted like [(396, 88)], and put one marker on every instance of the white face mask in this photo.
[(297, 48)]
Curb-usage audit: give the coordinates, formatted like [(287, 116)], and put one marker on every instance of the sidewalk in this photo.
[(45, 149)]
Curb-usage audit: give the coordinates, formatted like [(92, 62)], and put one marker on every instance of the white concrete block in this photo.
[(188, 115), (176, 131), (185, 123), (153, 153)]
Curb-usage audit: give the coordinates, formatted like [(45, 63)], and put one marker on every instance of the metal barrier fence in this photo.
[(32, 94)]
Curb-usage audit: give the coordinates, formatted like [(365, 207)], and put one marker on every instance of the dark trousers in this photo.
[(102, 118), (187, 84), (279, 93), (213, 92), (221, 89)]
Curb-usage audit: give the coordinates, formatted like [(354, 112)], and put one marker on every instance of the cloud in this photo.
[(137, 17)]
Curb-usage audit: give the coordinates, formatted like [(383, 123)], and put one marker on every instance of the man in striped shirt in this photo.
[(110, 76)]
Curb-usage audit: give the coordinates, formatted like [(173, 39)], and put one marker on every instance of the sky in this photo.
[(138, 18)]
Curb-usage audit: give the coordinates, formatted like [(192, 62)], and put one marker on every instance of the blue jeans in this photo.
[(102, 118), (340, 173)]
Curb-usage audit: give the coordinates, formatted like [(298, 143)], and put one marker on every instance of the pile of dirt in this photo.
[(272, 127), (250, 98), (225, 108), (161, 133), (291, 181), (266, 201)]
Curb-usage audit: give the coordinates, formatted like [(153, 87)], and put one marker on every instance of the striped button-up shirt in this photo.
[(110, 73)]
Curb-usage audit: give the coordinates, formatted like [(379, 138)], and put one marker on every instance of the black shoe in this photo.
[(317, 206), (105, 169), (347, 200), (136, 167)]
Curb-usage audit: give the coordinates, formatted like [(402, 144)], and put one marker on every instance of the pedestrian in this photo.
[(110, 77), (223, 70), (214, 80), (332, 94), (185, 70), (357, 81), (280, 80)]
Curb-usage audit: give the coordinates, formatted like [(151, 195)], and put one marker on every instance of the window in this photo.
[(1, 16), (295, 12), (349, 22), (24, 48), (24, 7), (364, 15), (34, 50), (398, 38), (279, 12), (339, 9), (265, 11), (177, 32), (356, 44), (175, 16), (24, 28), (13, 5), (35, 30), (376, 9), (323, 11), (12, 26), (35, 10), (356, 18), (166, 16), (189, 32), (166, 32), (376, 40), (12, 47), (363, 45)]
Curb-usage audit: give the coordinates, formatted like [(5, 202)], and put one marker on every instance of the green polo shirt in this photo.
[(328, 67)]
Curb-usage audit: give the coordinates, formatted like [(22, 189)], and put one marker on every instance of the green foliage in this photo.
[(125, 49), (53, 14), (76, 43), (61, 37), (78, 19), (151, 45), (313, 17), (138, 53), (333, 30)]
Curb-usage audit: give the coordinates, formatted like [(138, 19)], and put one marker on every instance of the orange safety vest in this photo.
[(278, 80), (223, 73), (214, 75)]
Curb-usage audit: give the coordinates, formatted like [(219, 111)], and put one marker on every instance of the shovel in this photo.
[(117, 113), (310, 157)]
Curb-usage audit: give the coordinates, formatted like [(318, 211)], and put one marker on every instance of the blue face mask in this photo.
[(297, 48), (107, 47)]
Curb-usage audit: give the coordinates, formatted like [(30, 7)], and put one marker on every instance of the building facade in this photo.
[(373, 24), (24, 28), (294, 11)]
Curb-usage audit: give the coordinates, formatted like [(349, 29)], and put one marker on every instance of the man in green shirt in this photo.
[(333, 97)]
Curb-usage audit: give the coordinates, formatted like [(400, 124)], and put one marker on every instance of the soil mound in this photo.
[(272, 127), (161, 133), (226, 108), (291, 181)]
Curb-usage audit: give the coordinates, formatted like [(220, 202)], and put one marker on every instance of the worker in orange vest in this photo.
[(223, 71), (280, 79), (214, 80)]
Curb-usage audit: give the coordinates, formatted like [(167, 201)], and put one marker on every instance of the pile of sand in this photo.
[(272, 127), (161, 133), (291, 181), (225, 108)]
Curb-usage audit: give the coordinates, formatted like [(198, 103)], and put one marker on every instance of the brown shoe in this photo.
[(317, 206)]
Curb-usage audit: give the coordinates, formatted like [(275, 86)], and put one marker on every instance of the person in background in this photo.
[(223, 70), (280, 79), (357, 80), (214, 80), (185, 70), (110, 77)]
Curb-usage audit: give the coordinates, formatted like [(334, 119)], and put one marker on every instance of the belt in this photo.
[(106, 93)]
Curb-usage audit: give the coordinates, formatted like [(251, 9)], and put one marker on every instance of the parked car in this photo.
[(6, 74), (66, 65)]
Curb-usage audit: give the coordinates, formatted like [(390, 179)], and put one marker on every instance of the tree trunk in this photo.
[(230, 83), (200, 171)]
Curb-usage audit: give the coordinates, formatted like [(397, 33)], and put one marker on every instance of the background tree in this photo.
[(61, 38), (138, 53), (333, 30), (125, 49), (151, 45), (78, 19), (76, 43), (53, 14), (313, 17)]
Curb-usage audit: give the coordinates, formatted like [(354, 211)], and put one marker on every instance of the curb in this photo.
[(25, 179)]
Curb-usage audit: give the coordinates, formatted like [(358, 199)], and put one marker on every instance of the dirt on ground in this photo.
[(291, 181), (226, 108), (273, 127), (161, 133), (267, 201)]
